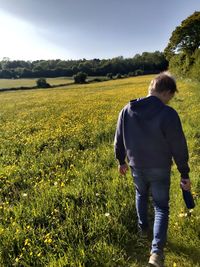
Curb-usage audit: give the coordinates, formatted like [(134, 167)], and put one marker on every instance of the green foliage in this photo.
[(131, 74), (139, 72), (177, 63), (185, 38), (42, 83), (80, 77), (150, 62), (195, 69), (186, 66), (109, 75), (118, 76), (182, 50)]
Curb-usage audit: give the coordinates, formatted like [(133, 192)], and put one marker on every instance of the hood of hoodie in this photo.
[(145, 108)]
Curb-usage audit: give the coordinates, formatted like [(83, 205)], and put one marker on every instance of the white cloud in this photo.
[(21, 40)]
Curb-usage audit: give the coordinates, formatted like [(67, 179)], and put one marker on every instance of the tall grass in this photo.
[(62, 201)]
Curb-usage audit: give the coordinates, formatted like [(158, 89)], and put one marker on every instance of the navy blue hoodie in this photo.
[(149, 134)]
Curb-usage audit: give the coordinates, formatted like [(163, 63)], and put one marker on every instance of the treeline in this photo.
[(145, 63), (183, 50)]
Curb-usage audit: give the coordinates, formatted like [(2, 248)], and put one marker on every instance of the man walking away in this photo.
[(149, 135)]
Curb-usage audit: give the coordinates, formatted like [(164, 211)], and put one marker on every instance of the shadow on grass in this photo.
[(137, 248), (138, 252), (190, 252)]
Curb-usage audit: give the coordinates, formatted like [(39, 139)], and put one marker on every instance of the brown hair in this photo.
[(163, 82)]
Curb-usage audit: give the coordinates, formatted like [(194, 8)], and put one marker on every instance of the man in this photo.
[(149, 134)]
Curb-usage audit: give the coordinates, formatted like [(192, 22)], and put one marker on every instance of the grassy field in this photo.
[(13, 83), (10, 83), (62, 202)]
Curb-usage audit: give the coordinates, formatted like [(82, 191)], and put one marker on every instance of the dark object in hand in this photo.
[(188, 198)]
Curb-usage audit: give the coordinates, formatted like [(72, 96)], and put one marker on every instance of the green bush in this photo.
[(186, 66), (42, 83), (176, 64), (80, 77), (109, 75), (195, 70), (139, 72), (131, 74), (118, 76)]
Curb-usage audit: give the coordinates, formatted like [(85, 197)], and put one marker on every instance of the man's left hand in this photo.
[(185, 184), (123, 169)]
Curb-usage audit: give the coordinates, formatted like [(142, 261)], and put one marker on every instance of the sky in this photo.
[(76, 29)]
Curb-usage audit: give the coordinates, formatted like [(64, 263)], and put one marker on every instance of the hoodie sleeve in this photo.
[(119, 148), (177, 142)]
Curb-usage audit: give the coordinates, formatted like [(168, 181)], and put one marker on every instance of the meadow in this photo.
[(30, 82), (12, 83), (62, 201)]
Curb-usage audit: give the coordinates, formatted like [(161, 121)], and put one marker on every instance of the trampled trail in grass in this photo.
[(62, 202)]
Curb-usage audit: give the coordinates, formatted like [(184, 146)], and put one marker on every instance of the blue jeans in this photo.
[(157, 181)]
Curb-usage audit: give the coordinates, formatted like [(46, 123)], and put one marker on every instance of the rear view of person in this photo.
[(149, 135)]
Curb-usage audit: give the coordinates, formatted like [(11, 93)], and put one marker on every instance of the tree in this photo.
[(42, 83), (80, 77), (194, 71), (139, 72), (131, 73), (109, 75), (6, 74), (118, 76), (149, 62), (185, 38)]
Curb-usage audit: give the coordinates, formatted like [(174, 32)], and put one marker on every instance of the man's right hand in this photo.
[(123, 169), (185, 184)]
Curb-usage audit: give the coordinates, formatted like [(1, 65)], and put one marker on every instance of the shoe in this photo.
[(156, 260)]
